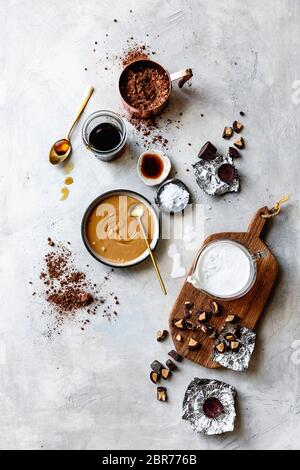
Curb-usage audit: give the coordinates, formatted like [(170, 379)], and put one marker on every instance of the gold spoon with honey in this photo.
[(137, 211), (62, 148)]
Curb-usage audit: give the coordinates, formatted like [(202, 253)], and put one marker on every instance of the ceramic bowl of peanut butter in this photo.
[(112, 235)]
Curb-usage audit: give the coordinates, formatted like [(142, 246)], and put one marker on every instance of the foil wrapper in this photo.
[(239, 360), (196, 395), (206, 173)]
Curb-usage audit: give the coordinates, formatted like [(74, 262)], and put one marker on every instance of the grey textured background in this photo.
[(90, 389)]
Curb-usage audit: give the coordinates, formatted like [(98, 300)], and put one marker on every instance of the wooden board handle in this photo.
[(258, 222)]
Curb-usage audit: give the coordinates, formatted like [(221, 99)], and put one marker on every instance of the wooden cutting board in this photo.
[(249, 307)]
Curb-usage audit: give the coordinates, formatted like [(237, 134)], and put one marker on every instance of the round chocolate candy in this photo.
[(212, 408), (227, 173)]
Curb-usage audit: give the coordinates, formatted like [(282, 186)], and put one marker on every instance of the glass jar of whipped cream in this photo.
[(224, 269)]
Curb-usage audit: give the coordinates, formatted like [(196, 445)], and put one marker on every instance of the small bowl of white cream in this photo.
[(224, 269)]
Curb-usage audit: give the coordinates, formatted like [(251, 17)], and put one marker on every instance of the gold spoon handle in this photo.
[(162, 285), (83, 104)]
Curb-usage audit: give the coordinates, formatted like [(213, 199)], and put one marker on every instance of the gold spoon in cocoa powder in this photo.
[(137, 211), (62, 148)]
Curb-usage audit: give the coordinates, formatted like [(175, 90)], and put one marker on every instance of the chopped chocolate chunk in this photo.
[(154, 377), (212, 408), (179, 338), (239, 143), (174, 355), (234, 345), (161, 335), (208, 151), (180, 323), (233, 153), (227, 133), (215, 308), (157, 367), (193, 344), (190, 326), (187, 314), (227, 173), (232, 319), (165, 373), (188, 305), (237, 126), (204, 317), (171, 365), (221, 347), (162, 394)]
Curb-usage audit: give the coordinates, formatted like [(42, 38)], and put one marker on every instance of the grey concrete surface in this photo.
[(90, 390)]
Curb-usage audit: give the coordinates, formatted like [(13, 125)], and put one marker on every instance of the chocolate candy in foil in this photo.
[(209, 405), (236, 360), (209, 173)]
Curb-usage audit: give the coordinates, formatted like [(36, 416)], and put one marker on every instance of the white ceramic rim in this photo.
[(166, 171)]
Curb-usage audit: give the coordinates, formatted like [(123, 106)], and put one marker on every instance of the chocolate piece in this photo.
[(156, 366), (180, 323), (209, 330), (227, 133), (179, 338), (227, 173), (161, 394), (239, 143), (174, 355), (171, 365), (215, 308), (161, 335), (213, 333), (203, 317), (207, 152), (232, 319), (233, 153), (187, 314), (221, 347), (212, 408), (237, 126), (234, 345), (193, 344), (191, 326), (165, 373), (188, 304), (154, 377)]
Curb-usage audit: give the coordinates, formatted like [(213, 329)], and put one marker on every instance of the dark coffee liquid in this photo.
[(152, 165), (105, 137)]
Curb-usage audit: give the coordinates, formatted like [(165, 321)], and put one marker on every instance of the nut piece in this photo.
[(208, 151), (193, 344), (171, 365), (239, 143), (154, 377), (215, 309), (178, 338), (161, 394), (161, 335), (156, 366), (221, 347), (174, 355), (227, 133), (180, 323), (203, 317), (165, 373), (230, 337), (235, 345), (233, 153), (237, 126), (232, 319)]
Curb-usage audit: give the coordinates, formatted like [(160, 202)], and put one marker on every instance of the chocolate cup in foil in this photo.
[(213, 395), (206, 173), (239, 360)]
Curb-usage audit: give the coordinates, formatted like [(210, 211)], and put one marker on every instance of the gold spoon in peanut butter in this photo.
[(62, 148)]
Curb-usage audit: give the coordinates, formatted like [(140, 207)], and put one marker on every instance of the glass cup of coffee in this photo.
[(104, 133)]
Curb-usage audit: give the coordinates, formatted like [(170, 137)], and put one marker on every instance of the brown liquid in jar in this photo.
[(152, 165), (113, 234)]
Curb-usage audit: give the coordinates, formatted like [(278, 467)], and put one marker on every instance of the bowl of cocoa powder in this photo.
[(145, 87)]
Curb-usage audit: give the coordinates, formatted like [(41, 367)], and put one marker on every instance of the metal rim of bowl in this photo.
[(165, 183), (91, 207)]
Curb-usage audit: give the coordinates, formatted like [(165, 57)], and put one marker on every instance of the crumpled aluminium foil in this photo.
[(206, 173), (239, 360), (200, 390)]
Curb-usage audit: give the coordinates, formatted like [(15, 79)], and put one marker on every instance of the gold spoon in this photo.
[(61, 149), (137, 211)]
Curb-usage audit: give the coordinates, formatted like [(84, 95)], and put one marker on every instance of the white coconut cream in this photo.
[(224, 269)]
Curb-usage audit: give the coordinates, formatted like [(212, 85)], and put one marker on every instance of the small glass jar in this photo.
[(105, 117)]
